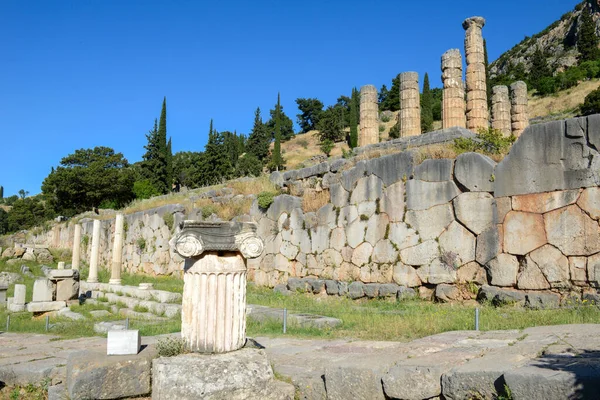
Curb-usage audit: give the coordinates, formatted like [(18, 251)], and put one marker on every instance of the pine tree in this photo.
[(426, 107), (587, 40), (217, 165), (1, 192), (276, 159), (170, 175), (382, 97), (354, 110), (259, 139), (539, 68)]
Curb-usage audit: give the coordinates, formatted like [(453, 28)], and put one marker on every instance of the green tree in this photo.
[(217, 163), (249, 165), (26, 213), (87, 178), (234, 147), (144, 189), (591, 104), (436, 106), (539, 68), (326, 146), (3, 222), (277, 161), (392, 101), (426, 107), (310, 112), (382, 96), (169, 155), (354, 119), (587, 40), (155, 164), (1, 192), (286, 125), (259, 138), (188, 167), (330, 126)]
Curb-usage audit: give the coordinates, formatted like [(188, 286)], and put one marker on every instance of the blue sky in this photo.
[(84, 73)]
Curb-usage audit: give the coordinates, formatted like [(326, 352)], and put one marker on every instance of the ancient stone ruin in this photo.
[(519, 107), (410, 105), (369, 116), (501, 117), (453, 102), (477, 106)]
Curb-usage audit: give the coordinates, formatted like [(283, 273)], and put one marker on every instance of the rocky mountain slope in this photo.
[(557, 41)]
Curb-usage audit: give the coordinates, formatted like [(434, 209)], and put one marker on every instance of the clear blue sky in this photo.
[(84, 73)]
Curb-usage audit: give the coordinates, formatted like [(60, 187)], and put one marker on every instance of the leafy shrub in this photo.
[(208, 210), (303, 143), (591, 104), (381, 128), (395, 131), (170, 347), (169, 220), (488, 141), (141, 243), (144, 189), (326, 146), (346, 153), (385, 118), (265, 199)]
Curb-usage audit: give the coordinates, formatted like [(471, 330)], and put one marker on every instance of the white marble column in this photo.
[(76, 247), (93, 274), (61, 265), (213, 316), (117, 255)]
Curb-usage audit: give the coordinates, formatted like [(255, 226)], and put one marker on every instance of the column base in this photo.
[(115, 282)]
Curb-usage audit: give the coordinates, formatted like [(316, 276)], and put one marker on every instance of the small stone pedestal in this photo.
[(213, 316)]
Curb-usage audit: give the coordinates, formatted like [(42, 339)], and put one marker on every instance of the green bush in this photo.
[(170, 347), (385, 118), (591, 104), (208, 210), (169, 221), (141, 243), (326, 146), (488, 141), (395, 131), (144, 189), (265, 199)]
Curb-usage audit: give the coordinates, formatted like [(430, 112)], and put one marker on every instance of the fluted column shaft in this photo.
[(410, 104), (76, 247), (501, 110), (519, 108), (477, 106), (117, 254), (93, 274), (369, 111), (453, 95)]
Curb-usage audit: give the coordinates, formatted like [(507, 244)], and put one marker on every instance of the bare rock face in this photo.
[(369, 127), (453, 102), (477, 108), (410, 105)]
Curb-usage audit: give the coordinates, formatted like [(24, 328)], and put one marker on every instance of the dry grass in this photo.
[(563, 101), (313, 200), (252, 186), (298, 150), (435, 151)]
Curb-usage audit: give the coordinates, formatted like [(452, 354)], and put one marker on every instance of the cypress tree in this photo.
[(587, 40), (426, 107), (1, 192), (217, 164), (259, 140), (354, 107), (539, 68), (276, 159), (170, 174)]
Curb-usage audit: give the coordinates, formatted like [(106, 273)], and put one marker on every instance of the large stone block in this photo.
[(120, 343), (475, 210), (475, 172), (405, 275), (432, 222), (572, 231), (45, 306), (393, 168), (457, 245), (437, 272), (67, 289), (43, 290), (362, 254), (422, 195), (435, 170), (589, 201), (384, 252), (531, 277), (369, 188), (553, 264), (353, 382), (546, 158), (421, 254), (489, 244), (503, 270), (392, 202), (402, 236), (541, 203), (523, 232)]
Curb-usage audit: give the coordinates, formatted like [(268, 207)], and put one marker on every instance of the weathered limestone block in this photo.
[(390, 169), (369, 188), (593, 269), (43, 290), (523, 232), (367, 208), (348, 214), (405, 275), (519, 108), (337, 241), (362, 254), (67, 289), (589, 201), (402, 236), (369, 110), (423, 195), (432, 222), (447, 293), (477, 107), (45, 306), (392, 202), (489, 244), (332, 258), (410, 105), (453, 100), (578, 270), (320, 239), (553, 264), (435, 170), (457, 245), (352, 175), (283, 204), (501, 207), (421, 254), (572, 231), (541, 203), (355, 233), (437, 272), (377, 227), (501, 119), (531, 277), (471, 272), (384, 252), (475, 172), (547, 158), (503, 270), (474, 210)]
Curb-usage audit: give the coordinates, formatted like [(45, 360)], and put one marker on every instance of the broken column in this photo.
[(76, 247), (213, 316), (501, 110), (453, 100), (410, 105), (369, 110), (477, 105), (117, 254), (93, 274), (519, 107), (18, 300)]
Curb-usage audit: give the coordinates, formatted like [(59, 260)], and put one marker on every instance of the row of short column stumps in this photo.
[(464, 104)]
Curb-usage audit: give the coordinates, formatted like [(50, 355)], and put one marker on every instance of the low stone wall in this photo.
[(529, 223)]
